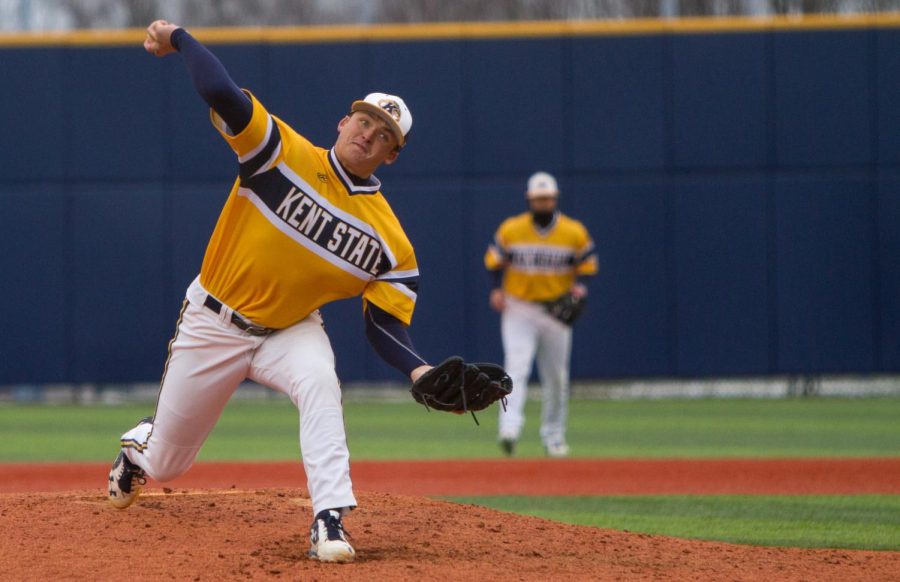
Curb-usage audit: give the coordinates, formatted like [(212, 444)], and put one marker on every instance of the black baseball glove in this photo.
[(566, 308), (455, 386)]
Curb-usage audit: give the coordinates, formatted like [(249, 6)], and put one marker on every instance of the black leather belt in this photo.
[(251, 328)]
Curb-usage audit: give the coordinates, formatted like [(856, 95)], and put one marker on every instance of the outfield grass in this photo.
[(870, 522), (715, 428), (267, 430)]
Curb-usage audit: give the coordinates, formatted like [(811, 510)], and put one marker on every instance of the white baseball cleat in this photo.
[(557, 449), (125, 482), (327, 538)]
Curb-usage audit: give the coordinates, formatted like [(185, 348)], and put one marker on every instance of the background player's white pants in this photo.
[(209, 358), (530, 333)]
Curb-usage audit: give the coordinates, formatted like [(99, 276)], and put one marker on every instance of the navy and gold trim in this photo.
[(586, 254), (408, 279), (371, 186), (133, 444), (264, 156), (323, 228)]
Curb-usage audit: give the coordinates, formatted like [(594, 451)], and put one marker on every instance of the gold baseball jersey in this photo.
[(297, 233), (541, 263)]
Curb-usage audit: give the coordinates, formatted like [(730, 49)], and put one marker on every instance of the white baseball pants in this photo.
[(209, 358), (530, 333)]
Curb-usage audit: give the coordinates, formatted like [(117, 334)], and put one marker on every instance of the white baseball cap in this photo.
[(541, 184), (390, 108)]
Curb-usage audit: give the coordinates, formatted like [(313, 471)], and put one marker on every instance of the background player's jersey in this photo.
[(541, 264), (296, 233)]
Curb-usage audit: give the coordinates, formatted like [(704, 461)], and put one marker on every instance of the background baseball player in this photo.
[(536, 257), (302, 226)]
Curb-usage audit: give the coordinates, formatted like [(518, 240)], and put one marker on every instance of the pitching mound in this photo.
[(207, 534)]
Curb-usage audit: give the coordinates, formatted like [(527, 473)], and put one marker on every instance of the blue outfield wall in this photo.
[(743, 189)]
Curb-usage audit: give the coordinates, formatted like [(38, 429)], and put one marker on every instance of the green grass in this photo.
[(855, 522), (267, 430)]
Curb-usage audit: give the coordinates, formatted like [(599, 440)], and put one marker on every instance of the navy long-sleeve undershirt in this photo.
[(213, 82), (390, 339)]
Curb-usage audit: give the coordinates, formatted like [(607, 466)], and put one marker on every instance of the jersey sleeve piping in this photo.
[(263, 157), (270, 125)]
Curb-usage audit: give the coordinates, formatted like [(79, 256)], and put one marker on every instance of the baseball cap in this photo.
[(390, 108), (541, 184)]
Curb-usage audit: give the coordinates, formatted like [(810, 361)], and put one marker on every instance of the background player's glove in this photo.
[(455, 386), (566, 308)]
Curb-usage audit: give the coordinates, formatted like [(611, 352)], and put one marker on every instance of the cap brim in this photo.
[(392, 123)]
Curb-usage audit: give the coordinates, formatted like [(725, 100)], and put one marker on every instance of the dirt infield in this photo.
[(229, 521)]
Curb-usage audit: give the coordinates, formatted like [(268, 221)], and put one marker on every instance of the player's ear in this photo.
[(391, 157), (344, 121)]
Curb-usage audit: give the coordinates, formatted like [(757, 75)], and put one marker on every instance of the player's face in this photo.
[(364, 142), (542, 204)]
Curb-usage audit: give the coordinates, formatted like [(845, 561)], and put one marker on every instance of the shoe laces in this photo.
[(133, 474), (334, 527)]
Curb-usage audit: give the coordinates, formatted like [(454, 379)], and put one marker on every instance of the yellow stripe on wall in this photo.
[(466, 30)]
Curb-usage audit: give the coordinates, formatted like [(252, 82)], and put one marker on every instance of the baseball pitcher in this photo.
[(302, 226)]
